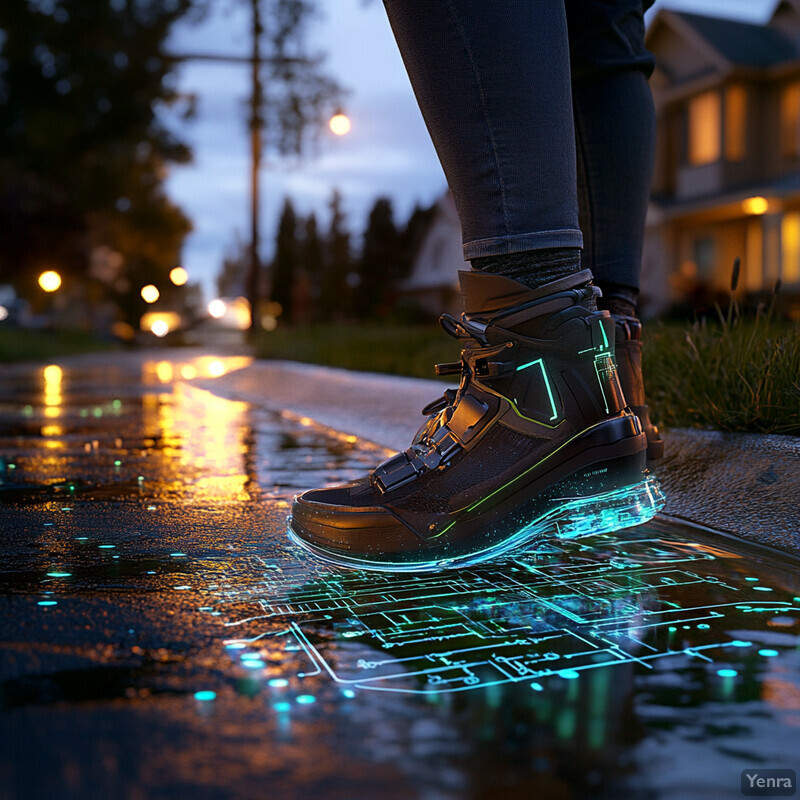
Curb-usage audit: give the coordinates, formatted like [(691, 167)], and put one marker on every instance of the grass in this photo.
[(18, 344), (394, 349), (732, 373)]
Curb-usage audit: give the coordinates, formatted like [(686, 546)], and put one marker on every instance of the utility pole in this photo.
[(256, 98)]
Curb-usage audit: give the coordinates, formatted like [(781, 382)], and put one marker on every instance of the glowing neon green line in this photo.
[(600, 380), (540, 362), (477, 503), (603, 331)]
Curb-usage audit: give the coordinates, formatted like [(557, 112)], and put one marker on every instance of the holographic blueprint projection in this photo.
[(574, 606)]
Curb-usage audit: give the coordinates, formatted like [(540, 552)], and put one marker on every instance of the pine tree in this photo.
[(313, 263), (285, 262), (336, 280), (379, 266)]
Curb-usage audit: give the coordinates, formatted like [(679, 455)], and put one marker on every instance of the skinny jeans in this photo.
[(542, 117)]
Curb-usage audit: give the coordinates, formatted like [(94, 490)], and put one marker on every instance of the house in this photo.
[(727, 173)]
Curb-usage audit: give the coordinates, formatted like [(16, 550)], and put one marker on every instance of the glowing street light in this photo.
[(217, 308), (160, 328), (149, 293), (339, 123), (178, 276), (50, 280)]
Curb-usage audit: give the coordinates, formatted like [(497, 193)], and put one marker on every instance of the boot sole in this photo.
[(565, 510)]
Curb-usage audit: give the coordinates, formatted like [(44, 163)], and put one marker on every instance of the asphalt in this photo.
[(741, 485)]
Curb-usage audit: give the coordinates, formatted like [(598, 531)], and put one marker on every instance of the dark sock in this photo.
[(533, 268), (620, 300)]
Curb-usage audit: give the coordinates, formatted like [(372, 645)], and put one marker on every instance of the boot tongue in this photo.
[(483, 292)]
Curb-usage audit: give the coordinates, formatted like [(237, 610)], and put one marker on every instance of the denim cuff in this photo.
[(540, 240)]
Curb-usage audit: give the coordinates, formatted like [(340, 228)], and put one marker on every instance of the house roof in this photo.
[(742, 43)]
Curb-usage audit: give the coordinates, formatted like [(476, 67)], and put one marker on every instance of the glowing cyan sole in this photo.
[(572, 518)]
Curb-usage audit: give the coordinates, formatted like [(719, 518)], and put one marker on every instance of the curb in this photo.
[(745, 485)]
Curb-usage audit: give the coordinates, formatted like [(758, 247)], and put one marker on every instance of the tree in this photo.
[(313, 263), (380, 263), (336, 279), (293, 107), (286, 261), (83, 153)]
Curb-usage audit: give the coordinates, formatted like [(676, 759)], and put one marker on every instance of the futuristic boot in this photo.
[(537, 442), (628, 355)]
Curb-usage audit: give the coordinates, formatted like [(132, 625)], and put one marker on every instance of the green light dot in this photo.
[(762, 588), (768, 653), (106, 546), (727, 673), (703, 627), (84, 412), (98, 412), (349, 693), (59, 574), (117, 463), (740, 643), (283, 706), (278, 683), (751, 579), (46, 603), (205, 695), (306, 699), (178, 555), (672, 629), (12, 466), (569, 674), (537, 687), (27, 411), (117, 404)]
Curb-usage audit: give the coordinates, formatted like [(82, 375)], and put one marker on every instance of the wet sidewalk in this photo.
[(161, 638)]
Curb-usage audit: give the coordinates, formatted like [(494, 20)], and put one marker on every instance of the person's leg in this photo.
[(537, 441), (493, 84), (615, 136), (615, 133)]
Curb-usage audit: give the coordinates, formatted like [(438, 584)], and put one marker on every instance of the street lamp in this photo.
[(150, 293), (178, 276), (339, 123), (50, 281)]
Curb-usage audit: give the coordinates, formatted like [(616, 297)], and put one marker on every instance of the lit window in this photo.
[(735, 122), (704, 128), (790, 120), (790, 248)]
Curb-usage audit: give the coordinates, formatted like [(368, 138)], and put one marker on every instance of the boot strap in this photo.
[(456, 429)]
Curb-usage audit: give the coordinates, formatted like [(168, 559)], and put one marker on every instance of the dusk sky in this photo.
[(388, 151)]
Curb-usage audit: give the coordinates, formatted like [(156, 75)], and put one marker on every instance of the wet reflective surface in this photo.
[(159, 636)]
